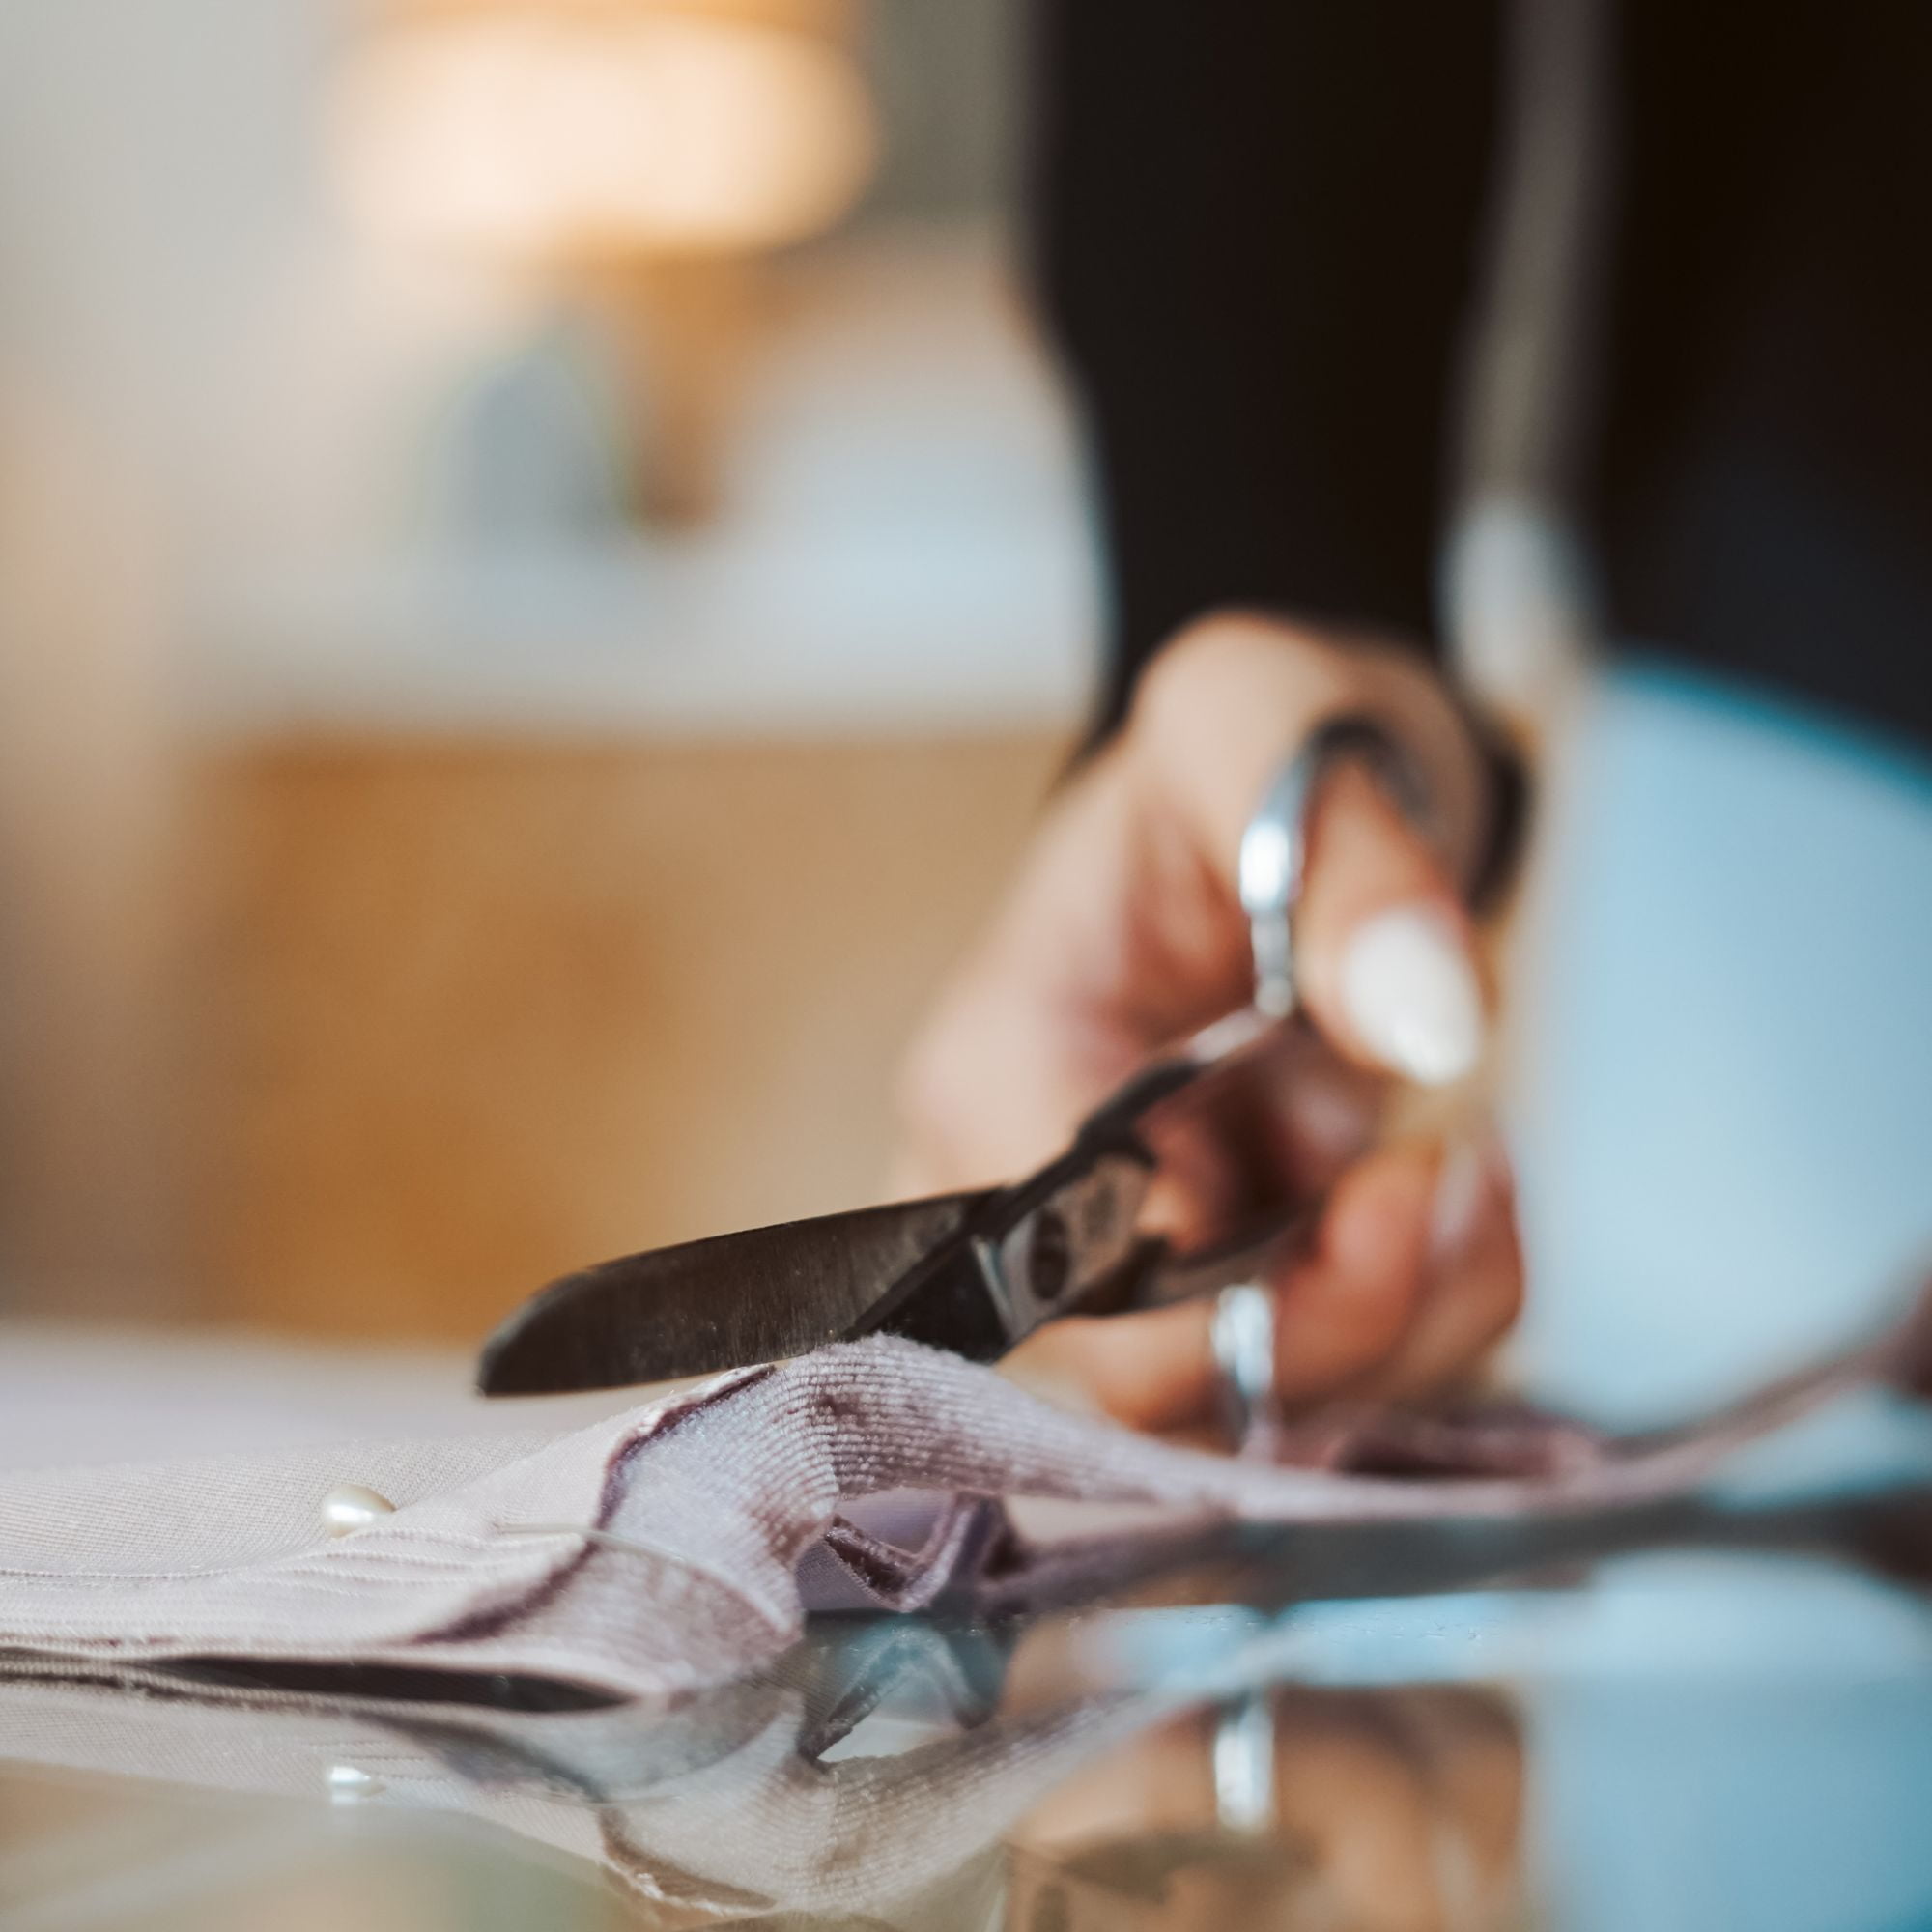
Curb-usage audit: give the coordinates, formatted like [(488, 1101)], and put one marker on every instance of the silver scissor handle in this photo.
[(1274, 848), (1089, 1201), (1272, 869)]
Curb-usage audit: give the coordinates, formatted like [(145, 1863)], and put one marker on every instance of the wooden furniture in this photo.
[(476, 1011)]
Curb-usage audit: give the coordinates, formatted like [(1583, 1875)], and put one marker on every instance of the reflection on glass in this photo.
[(1581, 1725)]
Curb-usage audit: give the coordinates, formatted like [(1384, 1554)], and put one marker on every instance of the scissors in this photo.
[(975, 1272)]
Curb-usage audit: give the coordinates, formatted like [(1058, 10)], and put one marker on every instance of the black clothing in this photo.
[(1259, 226)]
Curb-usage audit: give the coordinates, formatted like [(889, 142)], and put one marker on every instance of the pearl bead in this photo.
[(348, 1784), (350, 1507)]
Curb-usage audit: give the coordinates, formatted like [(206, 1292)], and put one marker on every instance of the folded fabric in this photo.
[(659, 1550)]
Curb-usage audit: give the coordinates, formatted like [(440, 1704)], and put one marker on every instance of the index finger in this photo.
[(1385, 956)]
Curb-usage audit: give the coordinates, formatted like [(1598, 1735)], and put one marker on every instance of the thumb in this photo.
[(1386, 954)]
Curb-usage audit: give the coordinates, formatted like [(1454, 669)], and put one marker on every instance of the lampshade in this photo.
[(536, 135)]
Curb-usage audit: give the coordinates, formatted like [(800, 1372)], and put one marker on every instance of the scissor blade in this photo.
[(757, 1296)]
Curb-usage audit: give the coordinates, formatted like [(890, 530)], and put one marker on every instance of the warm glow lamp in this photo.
[(538, 135)]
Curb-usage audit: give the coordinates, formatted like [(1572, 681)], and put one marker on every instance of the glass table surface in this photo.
[(1715, 1713)]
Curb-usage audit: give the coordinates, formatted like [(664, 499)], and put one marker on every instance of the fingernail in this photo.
[(1459, 1200), (1412, 994), (1473, 1176)]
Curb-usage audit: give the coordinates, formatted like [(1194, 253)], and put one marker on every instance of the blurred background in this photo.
[(543, 581), (544, 574)]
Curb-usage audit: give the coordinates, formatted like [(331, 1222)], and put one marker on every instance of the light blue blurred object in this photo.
[(1778, 1807), (1723, 1114), (1714, 1739), (1727, 1741)]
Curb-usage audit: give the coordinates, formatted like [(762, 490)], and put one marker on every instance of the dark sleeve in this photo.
[(1764, 494), (1255, 233)]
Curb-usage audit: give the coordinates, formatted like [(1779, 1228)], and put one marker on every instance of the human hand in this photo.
[(1123, 933)]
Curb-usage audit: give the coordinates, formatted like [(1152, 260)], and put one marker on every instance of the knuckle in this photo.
[(1505, 1302), (1491, 1299), (1228, 662)]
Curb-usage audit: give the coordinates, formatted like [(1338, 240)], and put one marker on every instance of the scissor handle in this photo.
[(1273, 857), (1271, 872), (1083, 1207)]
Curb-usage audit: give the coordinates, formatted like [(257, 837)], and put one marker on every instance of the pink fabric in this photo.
[(703, 1506)]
